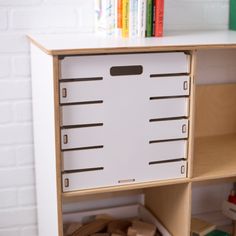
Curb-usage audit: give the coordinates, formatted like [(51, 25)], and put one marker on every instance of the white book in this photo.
[(133, 19), (105, 17), (142, 5)]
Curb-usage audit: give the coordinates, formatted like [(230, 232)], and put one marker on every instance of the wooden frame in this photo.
[(206, 143)]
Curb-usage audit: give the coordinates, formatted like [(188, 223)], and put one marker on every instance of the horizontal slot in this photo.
[(165, 161), (126, 181), (164, 119), (83, 170), (168, 129), (167, 97), (168, 140), (83, 148), (126, 70), (81, 79), (81, 126), (82, 103), (169, 75)]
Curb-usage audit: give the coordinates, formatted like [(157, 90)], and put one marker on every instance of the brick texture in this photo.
[(19, 17)]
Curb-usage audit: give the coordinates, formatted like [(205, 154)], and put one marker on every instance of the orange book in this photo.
[(119, 14), (159, 18)]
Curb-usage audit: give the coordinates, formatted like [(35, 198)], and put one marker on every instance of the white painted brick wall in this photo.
[(19, 17)]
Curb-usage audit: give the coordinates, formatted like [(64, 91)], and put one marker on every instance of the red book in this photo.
[(159, 17)]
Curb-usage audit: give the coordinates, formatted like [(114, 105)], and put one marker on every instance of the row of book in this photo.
[(129, 18)]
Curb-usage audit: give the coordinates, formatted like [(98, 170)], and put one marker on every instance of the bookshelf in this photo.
[(211, 137)]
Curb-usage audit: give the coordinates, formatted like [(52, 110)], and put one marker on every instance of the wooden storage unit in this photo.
[(117, 116)]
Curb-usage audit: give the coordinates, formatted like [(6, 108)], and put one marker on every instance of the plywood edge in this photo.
[(56, 76), (124, 187), (191, 114), (128, 49), (37, 44)]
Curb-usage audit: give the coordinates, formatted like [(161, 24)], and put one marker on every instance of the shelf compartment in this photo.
[(214, 157), (129, 211)]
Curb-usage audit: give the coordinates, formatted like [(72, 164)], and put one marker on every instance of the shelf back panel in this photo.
[(215, 110)]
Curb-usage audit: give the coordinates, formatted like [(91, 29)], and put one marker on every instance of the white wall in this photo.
[(19, 17)]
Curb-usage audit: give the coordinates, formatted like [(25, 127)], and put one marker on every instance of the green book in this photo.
[(232, 15), (149, 18), (217, 233)]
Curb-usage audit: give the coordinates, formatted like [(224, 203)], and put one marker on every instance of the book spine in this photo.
[(149, 18), (118, 16), (110, 17), (142, 18), (153, 17), (159, 18), (133, 18), (232, 15), (125, 18), (100, 26)]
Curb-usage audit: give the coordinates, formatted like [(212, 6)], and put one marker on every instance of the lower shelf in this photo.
[(214, 157), (137, 212)]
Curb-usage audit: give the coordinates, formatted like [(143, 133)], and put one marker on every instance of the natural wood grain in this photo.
[(215, 157), (191, 114), (56, 76), (215, 109), (123, 188), (172, 205)]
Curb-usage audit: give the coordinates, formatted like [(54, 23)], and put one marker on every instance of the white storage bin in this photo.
[(118, 173), (125, 136), (124, 88), (91, 158), (100, 65), (97, 113), (121, 212)]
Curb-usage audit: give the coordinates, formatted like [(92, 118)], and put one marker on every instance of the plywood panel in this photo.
[(215, 110), (172, 206), (215, 157)]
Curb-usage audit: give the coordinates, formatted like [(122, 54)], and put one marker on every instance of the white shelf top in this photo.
[(56, 44)]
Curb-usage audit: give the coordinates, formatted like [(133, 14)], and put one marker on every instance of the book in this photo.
[(142, 18), (232, 15), (105, 17), (149, 18), (118, 16), (201, 227), (159, 17), (125, 18), (133, 19), (153, 17)]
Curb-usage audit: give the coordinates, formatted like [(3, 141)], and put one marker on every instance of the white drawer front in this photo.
[(96, 66), (108, 88), (85, 91), (115, 176), (82, 114), (99, 113), (92, 158), (170, 150), (168, 130), (169, 108), (82, 137)]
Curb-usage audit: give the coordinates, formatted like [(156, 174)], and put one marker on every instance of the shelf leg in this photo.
[(234, 228)]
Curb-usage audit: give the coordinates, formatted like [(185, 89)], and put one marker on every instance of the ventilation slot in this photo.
[(83, 170), (81, 79), (165, 161)]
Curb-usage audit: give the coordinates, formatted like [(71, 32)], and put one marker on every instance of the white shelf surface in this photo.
[(56, 44)]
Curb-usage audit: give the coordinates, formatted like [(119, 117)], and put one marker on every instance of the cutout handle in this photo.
[(126, 70)]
